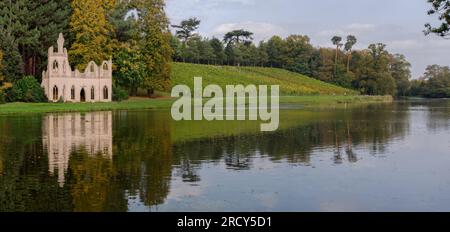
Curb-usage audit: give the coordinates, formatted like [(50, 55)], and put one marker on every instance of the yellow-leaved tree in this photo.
[(91, 30)]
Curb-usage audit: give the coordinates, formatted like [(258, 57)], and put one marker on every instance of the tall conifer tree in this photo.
[(15, 35), (50, 18)]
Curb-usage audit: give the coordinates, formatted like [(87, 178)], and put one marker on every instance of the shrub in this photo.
[(27, 89), (119, 94)]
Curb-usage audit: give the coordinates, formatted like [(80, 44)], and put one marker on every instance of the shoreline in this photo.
[(166, 103)]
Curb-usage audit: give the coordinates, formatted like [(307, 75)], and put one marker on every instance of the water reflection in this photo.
[(142, 160), (64, 134)]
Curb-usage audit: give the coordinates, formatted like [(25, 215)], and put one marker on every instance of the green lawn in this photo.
[(83, 107), (134, 104)]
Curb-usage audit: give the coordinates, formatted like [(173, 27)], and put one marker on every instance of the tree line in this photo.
[(435, 83)]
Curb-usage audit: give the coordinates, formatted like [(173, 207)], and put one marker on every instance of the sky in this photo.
[(397, 23)]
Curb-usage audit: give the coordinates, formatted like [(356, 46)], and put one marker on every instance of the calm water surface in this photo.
[(387, 157)]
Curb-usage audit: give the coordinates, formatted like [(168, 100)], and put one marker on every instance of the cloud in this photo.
[(206, 4), (358, 27), (243, 2), (405, 44), (350, 29), (180, 190), (262, 31)]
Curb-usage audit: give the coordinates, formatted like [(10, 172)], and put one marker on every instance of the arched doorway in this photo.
[(82, 95)]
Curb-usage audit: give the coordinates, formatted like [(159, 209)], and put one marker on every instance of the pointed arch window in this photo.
[(92, 68), (55, 66), (55, 93), (105, 66), (92, 93), (72, 93), (105, 93)]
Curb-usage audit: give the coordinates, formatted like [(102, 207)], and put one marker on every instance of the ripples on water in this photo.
[(386, 157)]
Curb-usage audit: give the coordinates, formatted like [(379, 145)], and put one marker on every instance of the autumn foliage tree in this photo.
[(92, 31)]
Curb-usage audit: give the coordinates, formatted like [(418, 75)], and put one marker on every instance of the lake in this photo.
[(379, 157)]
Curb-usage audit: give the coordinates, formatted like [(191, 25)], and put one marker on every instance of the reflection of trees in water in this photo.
[(90, 180), (352, 157), (188, 171), (437, 112), (143, 154), (370, 128), (234, 150), (439, 116)]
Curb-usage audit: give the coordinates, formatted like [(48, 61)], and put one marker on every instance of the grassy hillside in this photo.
[(291, 84)]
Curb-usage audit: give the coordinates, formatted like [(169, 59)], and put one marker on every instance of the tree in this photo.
[(297, 54), (191, 51), (15, 34), (239, 51), (238, 36), (186, 28), (336, 42), (248, 54), (230, 54), (92, 31), (263, 57), (28, 29), (155, 45), (442, 9), (12, 60), (124, 24), (206, 51), (323, 69), (351, 41), (437, 82), (177, 48), (50, 18), (417, 88), (373, 74), (27, 89), (130, 70), (275, 47), (219, 54), (400, 70)]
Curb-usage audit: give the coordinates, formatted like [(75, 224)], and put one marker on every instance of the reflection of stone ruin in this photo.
[(72, 132)]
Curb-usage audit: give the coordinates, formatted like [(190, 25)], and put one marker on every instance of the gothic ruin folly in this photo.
[(63, 84)]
